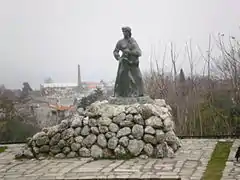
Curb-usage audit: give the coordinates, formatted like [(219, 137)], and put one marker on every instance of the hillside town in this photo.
[(51, 102), (50, 90)]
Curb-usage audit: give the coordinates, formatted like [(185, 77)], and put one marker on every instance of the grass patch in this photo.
[(216, 165), (2, 148)]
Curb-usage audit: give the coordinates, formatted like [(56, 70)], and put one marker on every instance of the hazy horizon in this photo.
[(40, 39)]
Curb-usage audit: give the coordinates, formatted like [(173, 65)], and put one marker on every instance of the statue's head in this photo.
[(126, 32)]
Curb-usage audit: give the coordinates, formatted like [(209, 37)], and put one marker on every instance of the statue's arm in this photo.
[(136, 51), (116, 51)]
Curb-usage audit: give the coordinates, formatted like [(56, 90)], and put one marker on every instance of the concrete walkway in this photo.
[(232, 168), (190, 163)]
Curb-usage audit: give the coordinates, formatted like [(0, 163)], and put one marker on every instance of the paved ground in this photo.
[(232, 169), (190, 163)]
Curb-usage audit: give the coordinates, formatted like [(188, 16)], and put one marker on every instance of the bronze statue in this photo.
[(129, 81)]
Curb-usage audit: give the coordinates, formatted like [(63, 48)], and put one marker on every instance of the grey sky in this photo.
[(41, 38)]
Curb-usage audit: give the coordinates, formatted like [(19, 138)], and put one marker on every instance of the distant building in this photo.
[(89, 85), (46, 88), (58, 85), (92, 85)]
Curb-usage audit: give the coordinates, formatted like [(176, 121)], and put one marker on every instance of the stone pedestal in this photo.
[(118, 128)]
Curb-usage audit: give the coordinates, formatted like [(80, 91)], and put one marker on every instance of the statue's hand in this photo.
[(117, 57)]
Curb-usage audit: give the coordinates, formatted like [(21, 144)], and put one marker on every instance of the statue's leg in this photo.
[(124, 80), (117, 82), (138, 79)]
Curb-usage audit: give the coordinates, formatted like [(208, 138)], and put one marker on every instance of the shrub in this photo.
[(91, 98)]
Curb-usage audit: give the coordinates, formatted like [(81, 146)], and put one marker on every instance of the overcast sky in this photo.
[(42, 38)]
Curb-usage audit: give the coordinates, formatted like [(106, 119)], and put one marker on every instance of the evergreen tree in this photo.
[(182, 87), (181, 76)]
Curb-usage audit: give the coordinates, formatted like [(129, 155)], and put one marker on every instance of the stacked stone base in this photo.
[(107, 130)]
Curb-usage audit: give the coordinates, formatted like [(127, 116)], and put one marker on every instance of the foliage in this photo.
[(197, 111), (91, 98), (26, 89), (12, 128), (207, 104), (16, 131), (2, 148), (181, 76), (216, 165), (7, 108)]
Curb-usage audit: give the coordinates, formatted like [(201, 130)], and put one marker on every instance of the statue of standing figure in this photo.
[(129, 81)]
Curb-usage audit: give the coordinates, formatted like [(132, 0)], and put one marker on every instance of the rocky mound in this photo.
[(107, 130)]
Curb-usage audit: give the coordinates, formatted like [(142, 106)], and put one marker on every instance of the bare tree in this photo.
[(174, 57)]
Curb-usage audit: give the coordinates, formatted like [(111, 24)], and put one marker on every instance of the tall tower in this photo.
[(79, 77)]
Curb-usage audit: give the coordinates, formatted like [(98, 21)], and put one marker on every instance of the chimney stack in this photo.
[(79, 77)]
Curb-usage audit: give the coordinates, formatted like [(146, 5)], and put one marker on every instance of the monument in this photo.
[(129, 81), (127, 125)]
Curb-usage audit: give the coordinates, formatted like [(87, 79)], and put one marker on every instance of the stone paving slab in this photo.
[(232, 168), (190, 163)]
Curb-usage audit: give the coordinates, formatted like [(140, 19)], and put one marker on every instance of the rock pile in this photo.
[(106, 130)]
